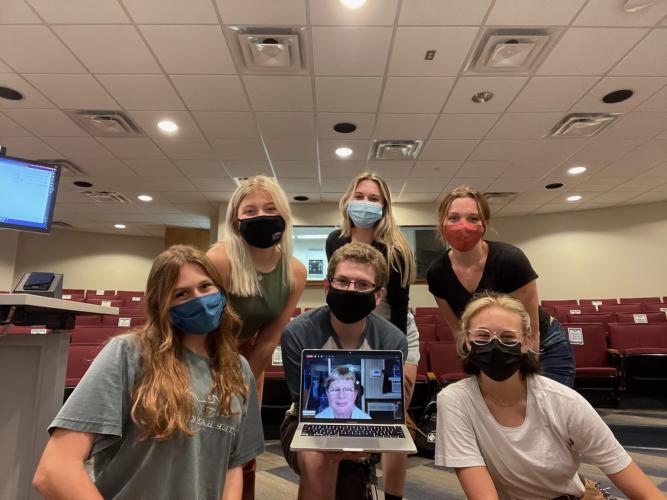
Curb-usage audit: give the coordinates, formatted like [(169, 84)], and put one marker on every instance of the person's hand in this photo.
[(337, 456)]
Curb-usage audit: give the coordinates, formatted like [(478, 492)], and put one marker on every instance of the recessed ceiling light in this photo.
[(145, 197), (481, 97), (82, 184), (167, 126), (11, 94), (353, 4), (618, 96), (554, 185), (576, 170), (345, 127), (300, 197), (574, 197), (119, 226), (343, 152)]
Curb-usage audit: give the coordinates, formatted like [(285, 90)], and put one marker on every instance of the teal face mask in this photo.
[(199, 316), (364, 213)]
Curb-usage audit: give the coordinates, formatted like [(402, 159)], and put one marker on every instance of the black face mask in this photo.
[(262, 231), (496, 361), (349, 306)]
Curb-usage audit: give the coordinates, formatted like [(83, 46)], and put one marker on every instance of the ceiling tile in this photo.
[(211, 92), (148, 184), (483, 169), (636, 125), (625, 169), (260, 12), (46, 122), (238, 149), (312, 197), (201, 168), (73, 91), (245, 168), (351, 51), (34, 49), (480, 184), (637, 185), (388, 170), (28, 147), (585, 51), (222, 183), (537, 197), (504, 90), (552, 150), (279, 93), (80, 11), (438, 169), (605, 13), (348, 94), (451, 46), (614, 197), (299, 150), (373, 12), (183, 148), (534, 12), (171, 11), (551, 93), (31, 97), (335, 185), (498, 150), (180, 196), (148, 121), (96, 168), (190, 49), (342, 168), (447, 150), (550, 208), (415, 95), (287, 125), (18, 12), (359, 149), (453, 126), (443, 13), (513, 209), (296, 184), (142, 92), (599, 183), (91, 44), (604, 149), (657, 102), (647, 58), (286, 169), (524, 125), (643, 87), (78, 147), (532, 169), (9, 128), (513, 185), (651, 151), (218, 196), (363, 121), (659, 171), (423, 185), (404, 126), (417, 197), (230, 125), (154, 168), (330, 197), (132, 149)]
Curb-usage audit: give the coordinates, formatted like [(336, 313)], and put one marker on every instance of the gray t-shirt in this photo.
[(180, 467)]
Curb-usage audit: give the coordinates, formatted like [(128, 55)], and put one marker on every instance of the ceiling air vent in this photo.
[(582, 124), (515, 51), (66, 167), (105, 123), (106, 197), (61, 224), (395, 150), (499, 195), (268, 50)]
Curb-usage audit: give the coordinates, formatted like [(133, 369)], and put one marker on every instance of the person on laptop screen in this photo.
[(342, 391), (356, 276)]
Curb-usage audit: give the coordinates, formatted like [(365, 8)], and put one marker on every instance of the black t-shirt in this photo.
[(506, 270)]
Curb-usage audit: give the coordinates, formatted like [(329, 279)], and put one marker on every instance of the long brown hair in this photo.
[(161, 400)]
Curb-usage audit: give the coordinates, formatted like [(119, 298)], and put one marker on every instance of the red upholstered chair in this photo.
[(563, 302), (130, 293), (26, 330), (109, 302), (425, 319), (597, 301), (642, 350), (78, 362), (443, 332), (100, 293), (74, 291), (444, 362), (276, 395), (551, 310), (641, 318), (426, 311), (574, 309), (637, 300), (656, 307), (94, 335), (123, 321), (87, 320), (133, 301), (604, 318), (427, 333), (296, 312), (73, 297), (621, 308), (425, 386)]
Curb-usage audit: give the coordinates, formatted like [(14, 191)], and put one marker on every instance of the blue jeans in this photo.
[(556, 358)]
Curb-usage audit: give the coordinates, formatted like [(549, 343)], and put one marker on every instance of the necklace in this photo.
[(501, 403)]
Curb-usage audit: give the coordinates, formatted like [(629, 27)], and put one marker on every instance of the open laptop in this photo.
[(352, 401)]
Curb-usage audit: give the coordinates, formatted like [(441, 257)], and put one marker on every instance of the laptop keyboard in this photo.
[(333, 430)]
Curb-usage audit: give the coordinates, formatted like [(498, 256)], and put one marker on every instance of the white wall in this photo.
[(89, 260), (8, 246)]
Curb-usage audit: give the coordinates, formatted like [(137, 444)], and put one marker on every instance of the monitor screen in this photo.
[(27, 194)]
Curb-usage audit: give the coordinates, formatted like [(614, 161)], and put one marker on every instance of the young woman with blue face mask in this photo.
[(367, 217), (169, 411)]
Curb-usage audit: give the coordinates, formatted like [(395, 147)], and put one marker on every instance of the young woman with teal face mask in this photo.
[(172, 396), (367, 217)]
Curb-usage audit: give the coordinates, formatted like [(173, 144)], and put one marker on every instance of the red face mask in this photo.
[(463, 235)]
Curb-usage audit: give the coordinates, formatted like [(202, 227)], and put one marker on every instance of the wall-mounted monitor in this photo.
[(27, 194)]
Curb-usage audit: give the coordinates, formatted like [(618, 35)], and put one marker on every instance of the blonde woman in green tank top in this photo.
[(263, 281)]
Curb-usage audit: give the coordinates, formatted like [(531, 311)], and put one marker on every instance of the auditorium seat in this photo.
[(621, 308), (26, 330), (88, 320), (563, 302), (656, 307), (444, 362), (642, 350), (129, 293), (424, 387), (597, 301), (94, 335), (443, 332), (100, 293), (123, 321), (74, 291), (134, 301), (109, 302), (427, 333), (574, 309), (604, 318), (427, 311), (79, 360), (425, 319), (645, 317), (73, 297), (276, 395), (550, 310), (636, 300)]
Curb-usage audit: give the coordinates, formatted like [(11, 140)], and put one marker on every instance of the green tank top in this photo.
[(259, 310)]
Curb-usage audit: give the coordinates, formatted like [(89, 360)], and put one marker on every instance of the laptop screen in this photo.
[(352, 386)]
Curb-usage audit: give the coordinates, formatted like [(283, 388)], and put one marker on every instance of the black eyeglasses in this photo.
[(343, 283)]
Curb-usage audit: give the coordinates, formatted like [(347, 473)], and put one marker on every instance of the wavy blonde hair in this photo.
[(386, 231), (243, 280), (161, 400)]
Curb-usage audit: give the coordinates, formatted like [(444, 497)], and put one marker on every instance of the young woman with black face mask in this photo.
[(511, 433), (168, 411), (263, 280), (472, 265)]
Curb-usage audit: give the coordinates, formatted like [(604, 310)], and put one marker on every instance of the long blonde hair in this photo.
[(243, 280), (386, 231), (161, 400)]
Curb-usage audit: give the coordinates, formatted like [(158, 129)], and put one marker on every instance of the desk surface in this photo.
[(38, 302)]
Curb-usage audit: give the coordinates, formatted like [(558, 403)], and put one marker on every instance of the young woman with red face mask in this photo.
[(473, 264)]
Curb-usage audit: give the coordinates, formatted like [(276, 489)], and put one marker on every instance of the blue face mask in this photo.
[(364, 213), (199, 316)]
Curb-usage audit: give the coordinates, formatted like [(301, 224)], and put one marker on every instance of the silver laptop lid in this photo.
[(345, 386)]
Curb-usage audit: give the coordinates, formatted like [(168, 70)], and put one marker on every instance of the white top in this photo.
[(540, 458)]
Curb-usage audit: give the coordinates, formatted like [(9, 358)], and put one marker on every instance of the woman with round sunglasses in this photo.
[(511, 433), (473, 265), (264, 281), (367, 217)]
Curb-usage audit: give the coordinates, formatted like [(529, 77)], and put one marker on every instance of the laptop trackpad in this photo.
[(353, 444)]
